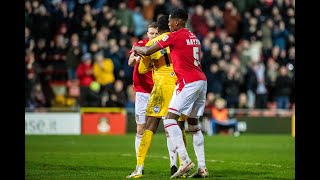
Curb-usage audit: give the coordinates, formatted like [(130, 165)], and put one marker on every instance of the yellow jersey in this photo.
[(160, 62), (104, 75), (163, 77)]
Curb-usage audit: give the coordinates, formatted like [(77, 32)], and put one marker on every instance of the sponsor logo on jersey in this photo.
[(156, 109)]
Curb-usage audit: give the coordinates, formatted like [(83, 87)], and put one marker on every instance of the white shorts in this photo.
[(141, 103), (189, 99)]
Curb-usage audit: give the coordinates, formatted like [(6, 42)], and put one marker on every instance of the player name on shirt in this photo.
[(193, 41)]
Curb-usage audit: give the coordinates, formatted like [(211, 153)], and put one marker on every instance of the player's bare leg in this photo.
[(174, 133)]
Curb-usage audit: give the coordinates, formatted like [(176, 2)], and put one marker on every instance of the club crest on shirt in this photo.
[(165, 38), (163, 51), (156, 109), (172, 74)]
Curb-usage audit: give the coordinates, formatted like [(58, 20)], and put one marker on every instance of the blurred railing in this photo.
[(261, 112), (232, 112), (256, 120), (53, 109)]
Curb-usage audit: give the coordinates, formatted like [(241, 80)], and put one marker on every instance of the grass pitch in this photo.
[(250, 157)]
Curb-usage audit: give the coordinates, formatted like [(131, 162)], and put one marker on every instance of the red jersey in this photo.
[(185, 53), (141, 82), (84, 79)]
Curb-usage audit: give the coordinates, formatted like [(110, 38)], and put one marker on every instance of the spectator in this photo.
[(263, 81), (130, 103), (41, 52), (103, 71), (283, 88), (124, 16), (199, 23), (118, 95), (272, 73), (73, 56), (160, 9), (206, 121), (41, 22), (101, 39), (148, 10), (57, 56), (85, 75), (173, 4), (28, 40), (220, 119), (38, 99), (27, 88), (93, 97), (87, 30), (244, 55), (114, 55), (139, 22), (215, 80), (30, 78), (266, 30), (280, 35), (51, 27), (243, 102), (217, 16), (291, 58), (251, 85), (231, 84), (231, 19)]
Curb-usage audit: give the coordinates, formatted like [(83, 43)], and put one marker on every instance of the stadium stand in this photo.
[(244, 45)]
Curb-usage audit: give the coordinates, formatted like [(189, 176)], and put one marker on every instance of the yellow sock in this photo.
[(185, 143), (144, 146)]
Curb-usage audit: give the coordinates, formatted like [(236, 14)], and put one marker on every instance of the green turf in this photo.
[(250, 157)]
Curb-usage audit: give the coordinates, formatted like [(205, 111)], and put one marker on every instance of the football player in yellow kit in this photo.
[(164, 80)]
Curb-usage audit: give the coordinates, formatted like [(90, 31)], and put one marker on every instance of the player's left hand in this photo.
[(138, 54), (137, 58)]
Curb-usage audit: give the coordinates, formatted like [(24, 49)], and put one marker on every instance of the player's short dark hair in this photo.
[(163, 22), (180, 14), (153, 25)]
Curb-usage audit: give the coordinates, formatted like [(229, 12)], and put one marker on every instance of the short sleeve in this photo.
[(166, 41)]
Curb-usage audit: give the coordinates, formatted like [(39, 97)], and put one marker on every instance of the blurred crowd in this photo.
[(76, 51)]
